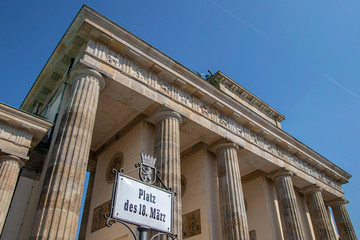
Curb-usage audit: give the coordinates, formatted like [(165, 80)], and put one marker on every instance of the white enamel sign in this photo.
[(142, 204)]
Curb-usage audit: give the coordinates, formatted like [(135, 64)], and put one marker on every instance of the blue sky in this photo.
[(301, 57)]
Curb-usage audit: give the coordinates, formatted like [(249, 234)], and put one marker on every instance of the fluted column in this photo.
[(167, 152), (319, 217), (288, 205), (59, 206), (342, 220), (9, 172), (232, 206)]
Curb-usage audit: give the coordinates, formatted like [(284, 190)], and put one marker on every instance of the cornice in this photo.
[(220, 80)]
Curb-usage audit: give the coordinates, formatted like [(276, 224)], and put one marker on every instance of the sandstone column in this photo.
[(59, 206), (319, 217), (232, 206), (288, 205), (9, 172), (342, 220), (167, 152)]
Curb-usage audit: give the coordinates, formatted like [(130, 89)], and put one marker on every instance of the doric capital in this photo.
[(166, 113), (337, 201), (311, 189), (7, 157), (283, 172), (86, 71), (216, 147)]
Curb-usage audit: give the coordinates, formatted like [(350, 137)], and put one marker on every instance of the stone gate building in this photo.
[(105, 96)]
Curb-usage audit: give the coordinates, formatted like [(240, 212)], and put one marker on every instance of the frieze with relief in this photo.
[(114, 59), (223, 120), (165, 87), (253, 138), (205, 110), (151, 79), (139, 73), (184, 98), (1, 128), (239, 130)]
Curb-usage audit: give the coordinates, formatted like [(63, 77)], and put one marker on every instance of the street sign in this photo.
[(139, 203)]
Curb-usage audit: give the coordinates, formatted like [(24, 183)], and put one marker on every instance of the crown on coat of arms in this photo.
[(148, 159)]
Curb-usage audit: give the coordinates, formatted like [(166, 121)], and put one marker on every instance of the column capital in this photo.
[(216, 147), (86, 71), (8, 157), (282, 172), (311, 189), (337, 201), (163, 113)]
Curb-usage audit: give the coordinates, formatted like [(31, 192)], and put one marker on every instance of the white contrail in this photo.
[(254, 28), (249, 25), (339, 85)]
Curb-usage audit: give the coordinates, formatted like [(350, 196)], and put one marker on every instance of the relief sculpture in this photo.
[(184, 98), (205, 110), (191, 224), (223, 120), (99, 220), (114, 59), (252, 235), (139, 73)]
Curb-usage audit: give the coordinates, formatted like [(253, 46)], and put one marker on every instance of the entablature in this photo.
[(115, 48), (20, 131), (227, 115)]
